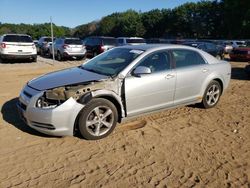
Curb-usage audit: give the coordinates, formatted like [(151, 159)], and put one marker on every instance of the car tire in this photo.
[(97, 119), (34, 59), (212, 94), (2, 60), (42, 53), (59, 56)]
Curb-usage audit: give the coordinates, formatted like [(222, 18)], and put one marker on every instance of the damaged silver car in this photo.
[(122, 82)]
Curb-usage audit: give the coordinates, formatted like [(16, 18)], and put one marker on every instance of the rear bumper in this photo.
[(18, 56), (243, 57), (74, 54)]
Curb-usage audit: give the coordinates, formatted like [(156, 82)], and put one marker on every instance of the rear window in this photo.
[(107, 41), (47, 40), (240, 43), (135, 41), (73, 41), (17, 38)]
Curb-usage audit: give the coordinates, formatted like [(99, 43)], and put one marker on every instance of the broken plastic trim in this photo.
[(44, 103)]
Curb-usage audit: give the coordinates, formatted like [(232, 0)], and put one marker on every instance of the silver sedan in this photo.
[(123, 82)]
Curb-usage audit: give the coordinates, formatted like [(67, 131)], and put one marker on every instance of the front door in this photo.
[(152, 91)]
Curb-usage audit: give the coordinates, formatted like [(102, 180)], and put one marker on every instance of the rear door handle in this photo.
[(169, 76)]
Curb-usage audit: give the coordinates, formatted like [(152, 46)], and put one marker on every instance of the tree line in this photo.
[(205, 19)]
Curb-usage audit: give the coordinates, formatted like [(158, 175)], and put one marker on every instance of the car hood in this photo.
[(64, 77)]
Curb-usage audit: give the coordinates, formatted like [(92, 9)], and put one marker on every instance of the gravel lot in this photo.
[(183, 147)]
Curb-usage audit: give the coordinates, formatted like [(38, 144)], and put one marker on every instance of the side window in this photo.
[(184, 58), (120, 41), (157, 62)]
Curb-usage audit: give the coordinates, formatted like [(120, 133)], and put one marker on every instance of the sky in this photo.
[(75, 12)]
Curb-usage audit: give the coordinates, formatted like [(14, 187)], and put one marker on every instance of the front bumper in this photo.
[(58, 121)]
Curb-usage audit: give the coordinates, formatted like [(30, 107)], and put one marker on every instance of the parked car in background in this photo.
[(227, 46), (97, 45), (208, 47), (130, 41), (158, 41), (65, 48), (237, 44), (240, 53), (17, 46), (122, 82), (43, 45)]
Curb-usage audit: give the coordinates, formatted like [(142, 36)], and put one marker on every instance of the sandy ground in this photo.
[(183, 147)]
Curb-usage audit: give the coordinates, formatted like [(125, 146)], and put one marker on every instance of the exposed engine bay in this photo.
[(54, 97)]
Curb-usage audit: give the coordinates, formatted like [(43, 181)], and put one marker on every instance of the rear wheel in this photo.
[(98, 119), (59, 56), (212, 95)]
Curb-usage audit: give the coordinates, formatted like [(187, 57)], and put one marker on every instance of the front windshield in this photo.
[(112, 62)]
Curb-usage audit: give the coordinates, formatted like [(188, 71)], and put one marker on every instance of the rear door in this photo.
[(153, 91), (191, 72)]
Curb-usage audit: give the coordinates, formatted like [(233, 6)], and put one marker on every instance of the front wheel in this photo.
[(212, 94), (98, 119)]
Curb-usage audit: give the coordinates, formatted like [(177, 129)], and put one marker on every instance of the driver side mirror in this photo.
[(141, 70)]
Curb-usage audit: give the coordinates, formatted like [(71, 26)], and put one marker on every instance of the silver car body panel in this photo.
[(135, 95), (58, 121)]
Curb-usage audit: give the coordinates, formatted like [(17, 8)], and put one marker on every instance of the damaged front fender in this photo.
[(84, 92)]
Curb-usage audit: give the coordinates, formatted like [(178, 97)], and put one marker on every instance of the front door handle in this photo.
[(205, 70), (169, 76)]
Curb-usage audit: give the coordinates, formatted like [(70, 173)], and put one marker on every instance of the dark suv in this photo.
[(97, 45), (208, 47), (43, 45)]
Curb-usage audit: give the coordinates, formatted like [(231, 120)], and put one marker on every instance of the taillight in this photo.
[(248, 52), (65, 46), (3, 45), (33, 46), (101, 48), (83, 46)]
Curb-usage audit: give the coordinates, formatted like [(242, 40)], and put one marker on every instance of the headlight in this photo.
[(44, 103)]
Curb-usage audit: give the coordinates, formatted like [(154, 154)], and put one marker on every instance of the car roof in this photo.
[(103, 37), (198, 42), (129, 38), (12, 34), (147, 47)]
